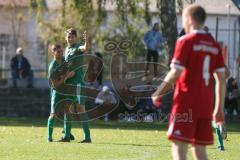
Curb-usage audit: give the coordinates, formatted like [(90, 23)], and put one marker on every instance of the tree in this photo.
[(15, 18), (167, 14), (128, 12)]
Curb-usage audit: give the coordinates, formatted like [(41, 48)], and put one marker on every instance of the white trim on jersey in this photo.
[(176, 66), (171, 127), (222, 69), (78, 92), (201, 31)]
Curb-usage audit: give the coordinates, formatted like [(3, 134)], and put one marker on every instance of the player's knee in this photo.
[(52, 115), (179, 150), (199, 152)]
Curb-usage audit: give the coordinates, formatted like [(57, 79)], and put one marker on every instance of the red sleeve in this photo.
[(181, 53), (219, 66)]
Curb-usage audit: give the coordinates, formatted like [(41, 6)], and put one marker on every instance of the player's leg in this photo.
[(219, 136), (203, 137), (67, 124), (50, 123), (179, 150), (67, 127), (50, 127), (181, 133), (199, 152), (219, 139), (84, 123)]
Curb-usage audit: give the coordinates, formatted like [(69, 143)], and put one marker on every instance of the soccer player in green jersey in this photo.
[(71, 51), (55, 82)]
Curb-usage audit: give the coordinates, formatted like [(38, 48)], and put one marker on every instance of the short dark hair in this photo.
[(197, 12), (54, 46), (71, 31)]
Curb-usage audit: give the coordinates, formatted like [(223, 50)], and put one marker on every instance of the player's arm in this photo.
[(167, 84), (178, 64), (58, 82), (85, 47), (220, 90)]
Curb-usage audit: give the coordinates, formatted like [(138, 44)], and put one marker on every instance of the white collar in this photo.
[(200, 31)]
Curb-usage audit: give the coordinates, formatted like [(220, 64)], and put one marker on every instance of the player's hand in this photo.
[(70, 74), (157, 101), (218, 116)]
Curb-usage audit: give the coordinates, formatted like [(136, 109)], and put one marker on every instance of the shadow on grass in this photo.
[(98, 124), (130, 144)]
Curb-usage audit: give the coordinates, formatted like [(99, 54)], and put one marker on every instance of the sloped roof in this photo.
[(219, 7)]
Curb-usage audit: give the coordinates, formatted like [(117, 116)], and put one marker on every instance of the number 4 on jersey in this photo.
[(206, 65)]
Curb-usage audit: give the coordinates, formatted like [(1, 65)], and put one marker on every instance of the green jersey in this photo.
[(78, 79), (69, 54), (55, 96)]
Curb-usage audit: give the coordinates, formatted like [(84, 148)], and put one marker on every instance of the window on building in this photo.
[(4, 40)]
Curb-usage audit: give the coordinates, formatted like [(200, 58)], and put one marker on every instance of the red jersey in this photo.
[(198, 55)]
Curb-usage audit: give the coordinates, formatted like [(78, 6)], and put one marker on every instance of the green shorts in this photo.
[(79, 98), (56, 100)]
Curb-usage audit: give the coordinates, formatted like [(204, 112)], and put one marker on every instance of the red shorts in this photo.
[(194, 130)]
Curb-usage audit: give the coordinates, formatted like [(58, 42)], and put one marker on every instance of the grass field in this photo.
[(25, 139)]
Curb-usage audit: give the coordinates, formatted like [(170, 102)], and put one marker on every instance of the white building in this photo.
[(228, 29)]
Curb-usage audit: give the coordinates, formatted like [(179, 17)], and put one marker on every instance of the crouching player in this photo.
[(55, 82)]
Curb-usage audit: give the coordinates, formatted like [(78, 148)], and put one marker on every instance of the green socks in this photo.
[(50, 127), (67, 126), (86, 130), (85, 126), (219, 137)]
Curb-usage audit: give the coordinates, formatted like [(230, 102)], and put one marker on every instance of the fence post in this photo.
[(3, 62)]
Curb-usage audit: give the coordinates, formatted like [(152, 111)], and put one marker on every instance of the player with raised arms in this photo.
[(76, 50)]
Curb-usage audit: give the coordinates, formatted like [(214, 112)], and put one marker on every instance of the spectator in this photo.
[(96, 70), (206, 29), (231, 97), (21, 69), (182, 33), (153, 41)]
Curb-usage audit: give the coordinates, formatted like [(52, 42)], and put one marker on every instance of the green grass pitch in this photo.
[(25, 139)]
